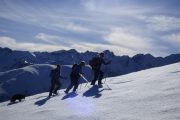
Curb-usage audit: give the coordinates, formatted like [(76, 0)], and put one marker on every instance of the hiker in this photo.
[(75, 75), (55, 83), (96, 63)]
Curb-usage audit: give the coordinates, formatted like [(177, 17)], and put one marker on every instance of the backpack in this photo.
[(94, 62), (74, 68)]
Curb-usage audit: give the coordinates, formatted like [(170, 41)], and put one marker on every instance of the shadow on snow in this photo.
[(94, 91), (42, 101), (69, 95)]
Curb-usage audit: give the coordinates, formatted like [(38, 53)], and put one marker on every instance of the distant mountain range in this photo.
[(13, 59)]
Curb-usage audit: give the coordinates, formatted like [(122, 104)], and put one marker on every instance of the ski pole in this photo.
[(108, 86), (86, 85), (84, 79), (105, 79), (80, 86)]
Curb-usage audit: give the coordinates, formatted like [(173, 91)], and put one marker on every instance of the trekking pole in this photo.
[(84, 79), (81, 83), (86, 85), (105, 80), (108, 86), (105, 75), (80, 86)]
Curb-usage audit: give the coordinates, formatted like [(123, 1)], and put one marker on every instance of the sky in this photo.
[(125, 27)]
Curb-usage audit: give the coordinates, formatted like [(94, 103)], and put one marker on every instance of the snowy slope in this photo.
[(152, 94)]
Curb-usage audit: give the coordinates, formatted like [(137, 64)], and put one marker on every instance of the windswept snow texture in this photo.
[(152, 94)]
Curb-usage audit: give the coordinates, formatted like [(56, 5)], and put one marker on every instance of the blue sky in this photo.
[(126, 27)]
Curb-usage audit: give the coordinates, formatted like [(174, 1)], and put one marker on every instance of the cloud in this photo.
[(47, 38), (56, 39), (13, 44), (120, 50), (173, 38), (4, 31), (82, 47), (76, 28), (7, 41), (124, 27), (162, 22), (52, 19), (69, 26), (79, 21), (131, 41), (115, 7), (124, 37)]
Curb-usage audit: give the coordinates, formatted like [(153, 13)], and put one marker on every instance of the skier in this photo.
[(55, 83), (96, 63), (75, 75)]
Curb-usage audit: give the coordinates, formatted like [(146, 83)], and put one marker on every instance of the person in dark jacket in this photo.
[(75, 75), (96, 67), (55, 83)]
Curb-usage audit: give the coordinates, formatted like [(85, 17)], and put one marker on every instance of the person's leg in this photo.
[(71, 84), (101, 74), (68, 88), (52, 87), (96, 74), (76, 84), (58, 86)]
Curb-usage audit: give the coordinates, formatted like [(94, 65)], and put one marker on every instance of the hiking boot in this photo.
[(66, 92), (74, 92), (92, 83), (56, 93), (100, 83), (50, 94)]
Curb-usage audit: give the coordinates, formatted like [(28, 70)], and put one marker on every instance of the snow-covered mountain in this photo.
[(120, 64), (152, 94)]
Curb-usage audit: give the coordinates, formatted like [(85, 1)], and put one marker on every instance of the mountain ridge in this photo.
[(12, 59)]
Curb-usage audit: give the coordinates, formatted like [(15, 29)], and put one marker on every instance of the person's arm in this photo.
[(81, 71), (106, 63)]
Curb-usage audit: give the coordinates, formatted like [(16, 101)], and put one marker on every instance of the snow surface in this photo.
[(152, 94)]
